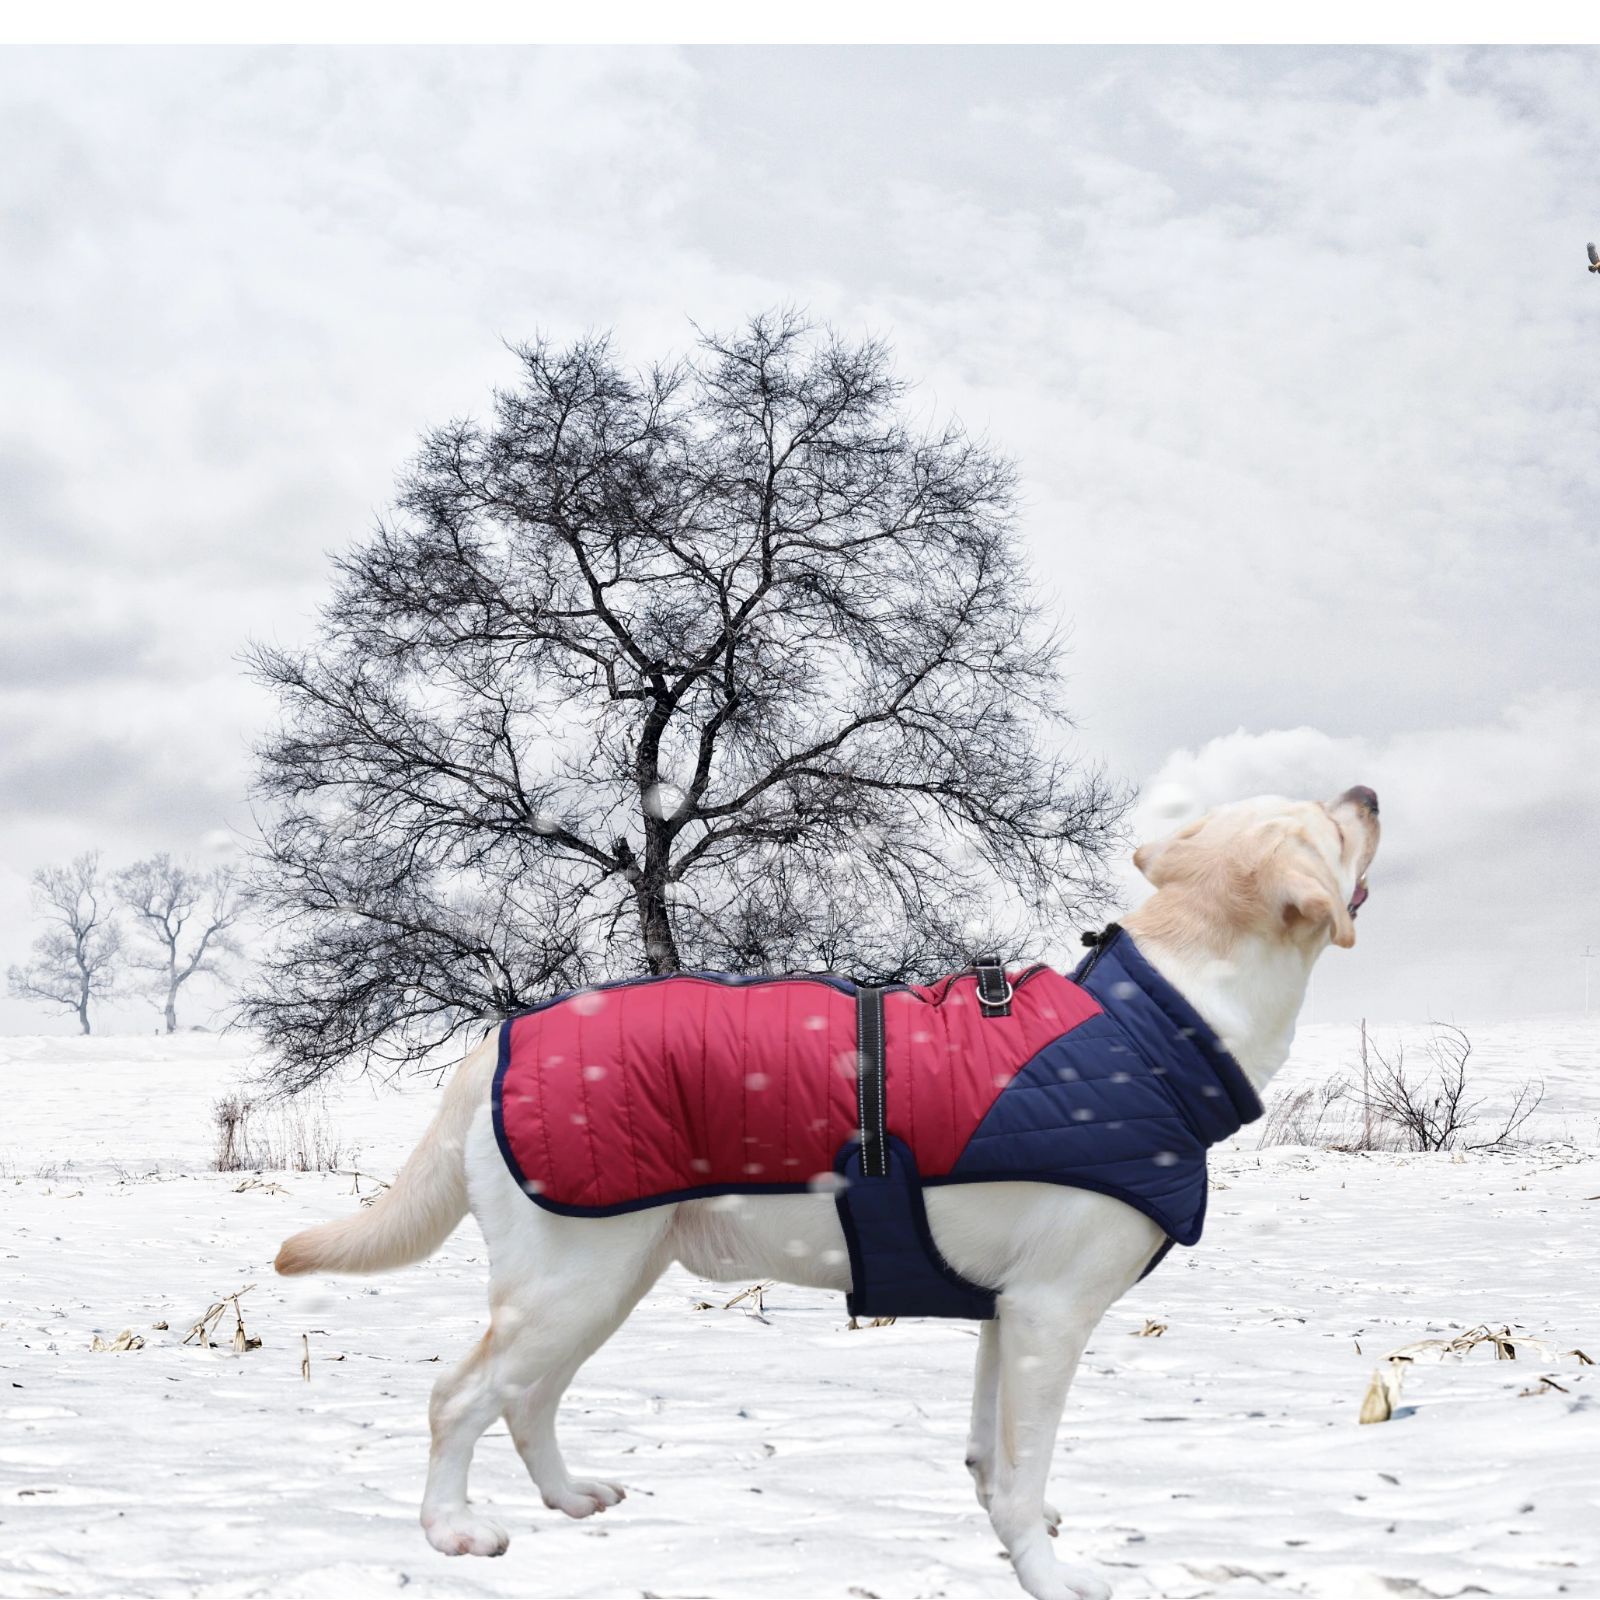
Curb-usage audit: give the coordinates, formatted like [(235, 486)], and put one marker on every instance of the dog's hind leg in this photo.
[(531, 1415), (559, 1286), (465, 1401)]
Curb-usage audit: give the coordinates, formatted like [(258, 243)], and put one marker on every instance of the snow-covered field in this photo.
[(787, 1455)]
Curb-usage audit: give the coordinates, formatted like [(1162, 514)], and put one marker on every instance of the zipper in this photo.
[(1102, 942)]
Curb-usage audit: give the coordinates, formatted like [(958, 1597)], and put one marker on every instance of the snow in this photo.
[(787, 1455)]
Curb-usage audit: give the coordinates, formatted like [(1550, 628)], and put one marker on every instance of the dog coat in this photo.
[(652, 1090)]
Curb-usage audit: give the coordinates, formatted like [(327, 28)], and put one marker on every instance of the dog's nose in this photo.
[(1361, 795)]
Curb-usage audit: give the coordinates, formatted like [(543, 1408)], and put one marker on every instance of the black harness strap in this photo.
[(994, 988), (895, 1266), (869, 1081)]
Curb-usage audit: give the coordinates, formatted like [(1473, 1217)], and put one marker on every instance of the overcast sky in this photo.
[(1296, 350)]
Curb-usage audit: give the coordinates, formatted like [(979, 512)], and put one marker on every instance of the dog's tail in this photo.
[(428, 1197)]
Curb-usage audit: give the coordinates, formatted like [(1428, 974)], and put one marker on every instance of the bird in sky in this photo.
[(1594, 259)]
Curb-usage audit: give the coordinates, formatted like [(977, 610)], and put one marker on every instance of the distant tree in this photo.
[(724, 663), (75, 958), (184, 919)]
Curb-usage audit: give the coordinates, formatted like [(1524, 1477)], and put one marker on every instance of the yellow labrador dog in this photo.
[(1246, 900)]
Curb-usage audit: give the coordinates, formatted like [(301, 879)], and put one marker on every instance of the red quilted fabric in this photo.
[(617, 1097)]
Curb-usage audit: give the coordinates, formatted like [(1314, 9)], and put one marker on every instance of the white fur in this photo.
[(1251, 997), (560, 1286)]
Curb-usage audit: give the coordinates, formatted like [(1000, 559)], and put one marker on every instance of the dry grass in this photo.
[(279, 1138), (1318, 1114), (1326, 1116)]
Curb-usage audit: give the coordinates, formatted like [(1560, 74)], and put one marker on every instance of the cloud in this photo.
[(140, 782)]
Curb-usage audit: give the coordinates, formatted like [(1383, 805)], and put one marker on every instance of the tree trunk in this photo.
[(173, 980), (83, 986), (660, 948)]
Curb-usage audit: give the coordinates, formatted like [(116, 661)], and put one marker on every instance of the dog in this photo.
[(1245, 901)]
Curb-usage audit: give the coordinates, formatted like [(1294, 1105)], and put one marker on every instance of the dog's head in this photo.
[(1288, 869)]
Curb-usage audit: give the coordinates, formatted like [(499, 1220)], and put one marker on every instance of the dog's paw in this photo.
[(1052, 1520), (1046, 1579), (582, 1497), (1083, 1583), (465, 1533)]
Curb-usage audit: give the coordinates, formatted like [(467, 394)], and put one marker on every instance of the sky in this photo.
[(1295, 349)]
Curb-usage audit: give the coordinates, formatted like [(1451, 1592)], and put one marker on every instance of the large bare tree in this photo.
[(185, 919), (722, 663), (76, 956)]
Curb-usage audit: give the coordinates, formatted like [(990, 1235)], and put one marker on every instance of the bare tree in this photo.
[(75, 958), (185, 919), (1434, 1110), (1530, 1096), (721, 663)]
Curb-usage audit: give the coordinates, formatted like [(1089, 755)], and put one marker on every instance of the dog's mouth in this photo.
[(1359, 898)]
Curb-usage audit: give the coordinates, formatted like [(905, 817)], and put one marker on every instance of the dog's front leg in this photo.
[(1041, 1335), (983, 1437)]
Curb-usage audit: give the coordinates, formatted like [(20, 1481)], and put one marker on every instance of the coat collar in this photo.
[(1209, 1086)]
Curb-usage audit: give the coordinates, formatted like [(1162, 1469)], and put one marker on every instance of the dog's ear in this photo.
[(1315, 900), (1159, 859)]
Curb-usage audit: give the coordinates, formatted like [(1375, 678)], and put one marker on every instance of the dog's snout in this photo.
[(1362, 796)]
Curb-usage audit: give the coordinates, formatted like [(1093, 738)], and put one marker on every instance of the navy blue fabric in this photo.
[(1126, 1103), (895, 1267)]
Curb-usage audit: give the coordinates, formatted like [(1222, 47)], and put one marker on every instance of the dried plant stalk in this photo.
[(1383, 1393), (126, 1340), (203, 1329)]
